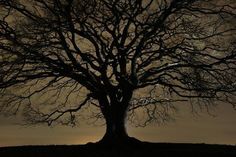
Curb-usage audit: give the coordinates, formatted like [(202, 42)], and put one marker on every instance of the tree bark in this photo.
[(116, 133), (115, 127), (114, 110)]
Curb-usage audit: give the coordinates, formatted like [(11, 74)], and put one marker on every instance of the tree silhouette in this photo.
[(101, 53)]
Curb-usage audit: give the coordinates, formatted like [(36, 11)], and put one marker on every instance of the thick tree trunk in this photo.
[(114, 109), (115, 129), (116, 133)]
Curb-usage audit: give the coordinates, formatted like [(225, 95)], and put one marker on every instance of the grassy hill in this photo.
[(141, 150)]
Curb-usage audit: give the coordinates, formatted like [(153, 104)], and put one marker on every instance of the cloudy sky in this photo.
[(220, 129)]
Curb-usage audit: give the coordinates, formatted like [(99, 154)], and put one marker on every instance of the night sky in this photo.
[(187, 128), (217, 127)]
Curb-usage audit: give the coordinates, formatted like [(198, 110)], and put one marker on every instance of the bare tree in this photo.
[(102, 53)]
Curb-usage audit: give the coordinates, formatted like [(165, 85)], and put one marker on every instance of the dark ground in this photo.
[(141, 150)]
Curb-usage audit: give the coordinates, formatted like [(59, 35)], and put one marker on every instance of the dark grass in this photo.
[(141, 150)]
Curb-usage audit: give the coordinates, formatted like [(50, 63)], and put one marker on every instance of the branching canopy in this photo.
[(99, 52)]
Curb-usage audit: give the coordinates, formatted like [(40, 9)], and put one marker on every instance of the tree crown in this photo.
[(104, 50)]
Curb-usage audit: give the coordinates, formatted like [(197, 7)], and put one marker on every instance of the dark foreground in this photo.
[(141, 150)]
